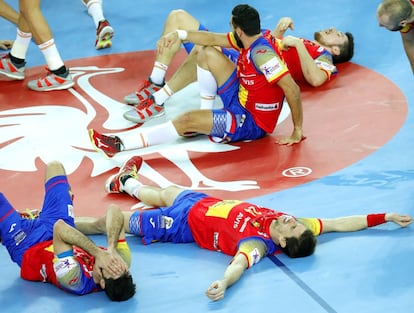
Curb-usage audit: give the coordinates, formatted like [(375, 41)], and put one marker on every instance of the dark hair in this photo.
[(247, 18), (120, 289), (346, 50), (300, 247)]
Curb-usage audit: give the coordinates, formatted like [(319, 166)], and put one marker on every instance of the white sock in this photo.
[(156, 135), (163, 94), (21, 44), (158, 73), (95, 10), (132, 187), (51, 54), (208, 88)]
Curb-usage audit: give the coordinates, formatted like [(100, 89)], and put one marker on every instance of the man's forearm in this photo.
[(204, 38)]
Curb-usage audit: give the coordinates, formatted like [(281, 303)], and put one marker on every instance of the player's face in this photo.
[(288, 226), (330, 37)]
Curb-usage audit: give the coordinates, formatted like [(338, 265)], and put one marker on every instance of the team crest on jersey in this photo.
[(42, 127)]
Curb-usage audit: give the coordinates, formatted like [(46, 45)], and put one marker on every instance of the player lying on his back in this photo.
[(240, 229)]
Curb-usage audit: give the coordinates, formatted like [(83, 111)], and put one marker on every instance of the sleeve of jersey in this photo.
[(314, 224), (71, 277), (253, 249), (124, 251), (232, 41), (269, 63), (324, 63)]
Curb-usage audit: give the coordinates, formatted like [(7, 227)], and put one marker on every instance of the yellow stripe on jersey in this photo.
[(253, 249), (124, 251), (222, 209), (314, 224)]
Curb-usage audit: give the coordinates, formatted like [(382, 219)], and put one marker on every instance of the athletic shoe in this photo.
[(104, 34), (130, 168), (9, 69), (143, 93), (52, 82), (145, 111), (110, 145)]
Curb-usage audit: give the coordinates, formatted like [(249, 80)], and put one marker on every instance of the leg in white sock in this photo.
[(208, 88)]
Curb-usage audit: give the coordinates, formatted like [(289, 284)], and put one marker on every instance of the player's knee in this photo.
[(169, 194), (207, 57), (178, 18)]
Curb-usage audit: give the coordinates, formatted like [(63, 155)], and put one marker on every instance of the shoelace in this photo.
[(144, 104)]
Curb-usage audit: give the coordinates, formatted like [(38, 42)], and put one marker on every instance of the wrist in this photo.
[(182, 34), (375, 219)]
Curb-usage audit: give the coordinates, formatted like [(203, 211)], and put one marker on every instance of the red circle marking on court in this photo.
[(345, 121)]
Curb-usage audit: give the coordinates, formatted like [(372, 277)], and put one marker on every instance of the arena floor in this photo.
[(357, 159)]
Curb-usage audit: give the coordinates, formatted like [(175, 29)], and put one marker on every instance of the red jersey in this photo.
[(322, 57), (38, 265), (259, 68), (221, 225)]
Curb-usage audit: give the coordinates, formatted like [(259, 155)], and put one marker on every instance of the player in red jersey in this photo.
[(253, 91), (42, 246), (398, 15), (240, 229)]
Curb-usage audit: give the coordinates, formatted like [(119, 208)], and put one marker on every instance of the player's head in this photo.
[(293, 237), (298, 247), (339, 43), (394, 14), (246, 18), (121, 288)]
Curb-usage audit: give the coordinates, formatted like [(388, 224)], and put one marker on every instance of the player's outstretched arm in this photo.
[(360, 222), (232, 274)]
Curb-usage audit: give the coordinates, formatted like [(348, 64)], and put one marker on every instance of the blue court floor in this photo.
[(362, 272)]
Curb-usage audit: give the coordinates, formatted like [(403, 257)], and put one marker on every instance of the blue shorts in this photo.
[(233, 122), (18, 233), (239, 123), (166, 224)]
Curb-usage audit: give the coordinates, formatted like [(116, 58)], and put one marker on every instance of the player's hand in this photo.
[(294, 138), (6, 44), (111, 263), (283, 24), (216, 290), (166, 41), (290, 41), (402, 220)]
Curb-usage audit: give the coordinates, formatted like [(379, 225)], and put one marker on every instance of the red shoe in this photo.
[(114, 184), (110, 145), (104, 34)]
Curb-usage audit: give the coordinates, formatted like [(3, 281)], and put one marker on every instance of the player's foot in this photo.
[(104, 34), (115, 183), (52, 82), (145, 111), (110, 145), (146, 89), (9, 69), (29, 214)]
